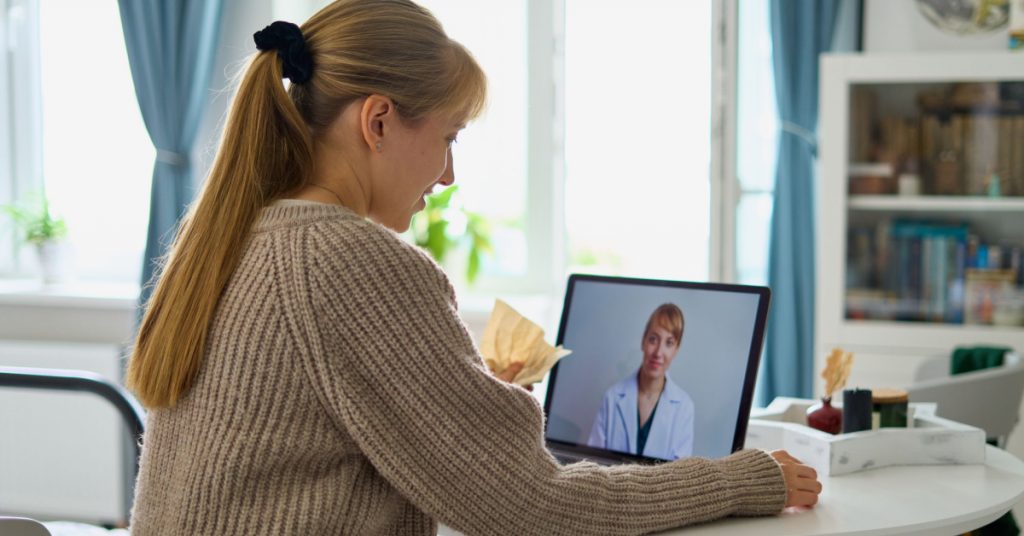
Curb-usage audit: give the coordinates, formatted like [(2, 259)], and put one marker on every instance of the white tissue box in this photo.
[(931, 440)]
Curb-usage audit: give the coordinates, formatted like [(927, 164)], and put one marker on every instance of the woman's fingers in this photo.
[(806, 483), (800, 490), (802, 485), (806, 473), (510, 372), (801, 498), (781, 455)]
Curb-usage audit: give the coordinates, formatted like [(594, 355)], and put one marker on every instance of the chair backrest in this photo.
[(20, 526), (80, 380), (989, 399)]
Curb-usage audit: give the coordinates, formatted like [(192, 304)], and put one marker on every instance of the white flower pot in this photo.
[(50, 255)]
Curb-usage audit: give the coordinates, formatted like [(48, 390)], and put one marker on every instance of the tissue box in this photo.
[(931, 440)]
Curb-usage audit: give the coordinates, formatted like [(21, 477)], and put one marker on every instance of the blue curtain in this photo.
[(801, 30), (171, 46)]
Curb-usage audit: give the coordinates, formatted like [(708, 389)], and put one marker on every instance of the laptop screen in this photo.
[(659, 369)]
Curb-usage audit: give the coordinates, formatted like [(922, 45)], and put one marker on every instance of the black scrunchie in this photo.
[(287, 39)]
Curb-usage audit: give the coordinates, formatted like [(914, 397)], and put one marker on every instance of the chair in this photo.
[(989, 399), (72, 380), (20, 526)]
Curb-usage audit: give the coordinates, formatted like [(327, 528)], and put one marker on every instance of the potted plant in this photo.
[(444, 226), (43, 230)]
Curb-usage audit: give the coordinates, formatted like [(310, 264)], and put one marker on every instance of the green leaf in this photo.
[(473, 265), (442, 199), (431, 230), (437, 240)]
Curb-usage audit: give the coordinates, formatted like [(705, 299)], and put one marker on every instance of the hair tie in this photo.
[(286, 38)]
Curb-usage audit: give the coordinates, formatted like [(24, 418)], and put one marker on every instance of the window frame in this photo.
[(726, 190), (545, 188), (21, 117)]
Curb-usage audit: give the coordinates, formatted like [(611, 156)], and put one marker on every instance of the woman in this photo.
[(305, 368), (647, 414)]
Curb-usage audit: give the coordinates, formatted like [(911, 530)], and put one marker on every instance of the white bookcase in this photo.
[(862, 300)]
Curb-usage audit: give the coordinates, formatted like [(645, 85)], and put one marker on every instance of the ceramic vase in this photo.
[(824, 417), (49, 254)]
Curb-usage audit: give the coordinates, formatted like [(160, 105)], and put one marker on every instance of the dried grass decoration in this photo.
[(837, 370), (511, 338)]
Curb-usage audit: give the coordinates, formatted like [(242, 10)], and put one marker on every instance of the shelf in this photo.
[(898, 338), (978, 329), (923, 203)]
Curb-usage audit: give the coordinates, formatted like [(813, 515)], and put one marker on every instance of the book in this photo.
[(930, 145), (1004, 155), (863, 103), (955, 309), (984, 151), (1017, 156), (924, 269)]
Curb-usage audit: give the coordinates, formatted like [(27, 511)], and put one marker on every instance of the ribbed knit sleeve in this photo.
[(394, 366)]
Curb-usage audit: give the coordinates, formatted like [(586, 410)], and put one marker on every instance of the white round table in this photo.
[(915, 499)]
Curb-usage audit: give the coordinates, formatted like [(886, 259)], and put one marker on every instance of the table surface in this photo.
[(926, 500), (914, 499)]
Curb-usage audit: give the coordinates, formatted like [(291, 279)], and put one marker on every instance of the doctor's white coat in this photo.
[(671, 435)]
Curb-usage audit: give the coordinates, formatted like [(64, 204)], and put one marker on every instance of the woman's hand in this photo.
[(510, 373), (802, 486)]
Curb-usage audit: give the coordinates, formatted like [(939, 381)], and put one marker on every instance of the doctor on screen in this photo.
[(647, 413)]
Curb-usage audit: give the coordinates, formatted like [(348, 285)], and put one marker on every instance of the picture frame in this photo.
[(903, 26)]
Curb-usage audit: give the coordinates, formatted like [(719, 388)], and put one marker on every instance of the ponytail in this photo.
[(266, 150)]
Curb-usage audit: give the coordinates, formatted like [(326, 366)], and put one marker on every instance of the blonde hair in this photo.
[(393, 48), (669, 317)]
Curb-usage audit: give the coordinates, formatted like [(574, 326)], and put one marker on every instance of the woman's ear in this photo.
[(377, 115)]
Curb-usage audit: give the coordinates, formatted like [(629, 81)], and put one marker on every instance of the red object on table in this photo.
[(824, 417)]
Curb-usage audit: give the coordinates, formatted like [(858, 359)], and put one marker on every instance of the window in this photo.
[(78, 135), (638, 137), (97, 158)]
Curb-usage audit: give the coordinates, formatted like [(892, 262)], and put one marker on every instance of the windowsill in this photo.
[(74, 295)]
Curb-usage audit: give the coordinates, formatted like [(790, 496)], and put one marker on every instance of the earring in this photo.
[(378, 146)]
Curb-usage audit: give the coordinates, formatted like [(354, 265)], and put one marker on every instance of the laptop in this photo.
[(659, 370)]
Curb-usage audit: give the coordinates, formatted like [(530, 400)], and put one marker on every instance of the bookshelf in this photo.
[(920, 224)]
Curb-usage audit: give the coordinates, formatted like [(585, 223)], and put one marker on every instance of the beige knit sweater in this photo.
[(341, 394)]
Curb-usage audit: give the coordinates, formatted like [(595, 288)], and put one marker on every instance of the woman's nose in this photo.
[(448, 175)]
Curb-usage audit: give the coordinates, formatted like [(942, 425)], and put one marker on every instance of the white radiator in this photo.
[(62, 455)]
